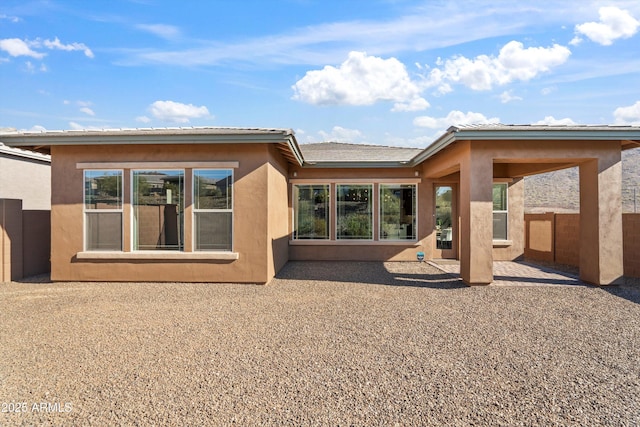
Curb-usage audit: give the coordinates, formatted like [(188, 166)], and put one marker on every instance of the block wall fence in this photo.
[(555, 237)]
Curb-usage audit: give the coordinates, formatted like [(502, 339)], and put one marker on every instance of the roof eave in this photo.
[(356, 164)]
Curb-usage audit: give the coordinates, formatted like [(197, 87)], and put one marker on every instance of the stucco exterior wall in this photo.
[(252, 233), (555, 237), (26, 179)]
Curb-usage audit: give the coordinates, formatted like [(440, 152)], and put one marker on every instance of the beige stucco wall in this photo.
[(26, 179), (260, 168)]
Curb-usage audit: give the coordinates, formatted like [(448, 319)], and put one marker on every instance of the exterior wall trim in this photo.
[(157, 255), (157, 165), (355, 181)]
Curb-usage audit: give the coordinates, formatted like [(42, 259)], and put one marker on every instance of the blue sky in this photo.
[(392, 72)]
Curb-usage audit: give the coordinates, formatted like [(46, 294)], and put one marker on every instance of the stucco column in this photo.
[(601, 256), (476, 218)]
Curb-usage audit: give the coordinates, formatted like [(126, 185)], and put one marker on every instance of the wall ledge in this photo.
[(157, 255), (310, 242), (502, 243)]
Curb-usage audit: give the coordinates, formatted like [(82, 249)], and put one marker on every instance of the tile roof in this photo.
[(343, 152)]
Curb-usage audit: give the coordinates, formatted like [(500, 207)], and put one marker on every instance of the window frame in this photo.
[(132, 242), (372, 209), (328, 211), (505, 211), (195, 210), (415, 211), (86, 211)]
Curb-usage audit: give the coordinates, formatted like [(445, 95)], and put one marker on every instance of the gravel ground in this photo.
[(323, 344)]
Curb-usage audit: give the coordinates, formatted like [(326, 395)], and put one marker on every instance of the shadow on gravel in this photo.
[(40, 278), (370, 272), (628, 292)]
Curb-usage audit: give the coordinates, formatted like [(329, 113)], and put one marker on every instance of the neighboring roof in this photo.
[(335, 154), (43, 140), (628, 135), (23, 154)]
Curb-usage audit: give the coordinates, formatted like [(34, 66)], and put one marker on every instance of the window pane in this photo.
[(158, 208), (311, 220), (212, 189), (500, 226), (499, 197), (213, 231), (397, 212), (104, 231), (354, 212), (103, 189)]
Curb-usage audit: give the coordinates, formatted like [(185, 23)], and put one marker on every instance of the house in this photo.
[(25, 203), (234, 205)]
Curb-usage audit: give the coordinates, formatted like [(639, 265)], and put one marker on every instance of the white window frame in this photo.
[(294, 212), (86, 211), (132, 215), (506, 211), (372, 215), (415, 220), (194, 210)]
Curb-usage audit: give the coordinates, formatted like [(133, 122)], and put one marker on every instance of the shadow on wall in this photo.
[(412, 274)]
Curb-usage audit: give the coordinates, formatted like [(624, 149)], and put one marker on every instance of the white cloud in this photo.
[(143, 119), (56, 44), (455, 117), (340, 134), (506, 97), (360, 80), (88, 111), (417, 104), (513, 63), (38, 128), (170, 111), (614, 23), (548, 90), (628, 115), (161, 30), (13, 19), (17, 47), (550, 120)]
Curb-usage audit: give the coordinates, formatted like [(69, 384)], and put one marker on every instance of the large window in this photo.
[(213, 209), (311, 211), (103, 210), (354, 207), (500, 217), (397, 212), (158, 210)]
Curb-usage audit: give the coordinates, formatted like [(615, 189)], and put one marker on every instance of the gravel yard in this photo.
[(323, 344)]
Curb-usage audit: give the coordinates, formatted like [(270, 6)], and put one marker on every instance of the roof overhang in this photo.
[(628, 136), (363, 164), (43, 141)]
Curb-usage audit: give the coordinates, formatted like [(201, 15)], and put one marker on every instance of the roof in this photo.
[(23, 154), (335, 154), (43, 140), (629, 136), (326, 154)]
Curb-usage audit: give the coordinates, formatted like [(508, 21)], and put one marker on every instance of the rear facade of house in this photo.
[(234, 205)]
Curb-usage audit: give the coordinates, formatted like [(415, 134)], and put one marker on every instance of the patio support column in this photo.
[(601, 256), (476, 218)]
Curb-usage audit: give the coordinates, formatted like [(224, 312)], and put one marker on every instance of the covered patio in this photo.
[(474, 158)]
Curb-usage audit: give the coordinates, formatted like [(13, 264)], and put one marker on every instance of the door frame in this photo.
[(447, 253)]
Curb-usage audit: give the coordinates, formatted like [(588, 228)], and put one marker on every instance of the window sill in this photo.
[(312, 242), (502, 243), (157, 255)]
